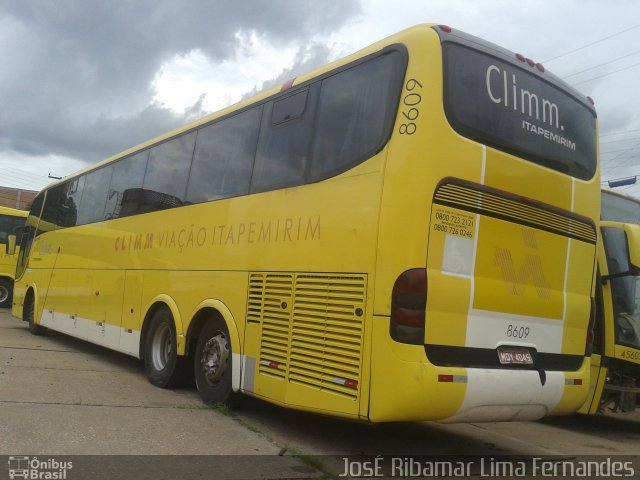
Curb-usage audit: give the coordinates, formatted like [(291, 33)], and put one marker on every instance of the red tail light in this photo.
[(408, 304)]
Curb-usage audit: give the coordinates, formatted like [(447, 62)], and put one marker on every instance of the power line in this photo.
[(13, 168), (590, 44), (20, 184), (617, 151), (607, 74), (601, 64), (619, 133), (17, 174), (21, 176), (22, 181), (622, 155), (620, 140)]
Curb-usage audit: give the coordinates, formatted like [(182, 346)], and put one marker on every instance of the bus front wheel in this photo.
[(6, 292), (212, 363), (29, 315), (163, 366)]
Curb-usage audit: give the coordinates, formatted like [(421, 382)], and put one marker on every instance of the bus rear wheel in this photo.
[(212, 363), (163, 366), (6, 292)]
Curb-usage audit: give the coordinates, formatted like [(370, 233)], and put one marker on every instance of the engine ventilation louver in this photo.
[(485, 202), (316, 338)]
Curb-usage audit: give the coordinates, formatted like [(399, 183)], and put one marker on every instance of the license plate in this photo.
[(514, 356)]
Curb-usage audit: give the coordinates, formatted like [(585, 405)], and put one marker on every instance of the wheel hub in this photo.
[(161, 347), (215, 356), (4, 293)]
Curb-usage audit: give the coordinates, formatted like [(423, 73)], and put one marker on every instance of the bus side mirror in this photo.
[(622, 244), (11, 245), (632, 232)]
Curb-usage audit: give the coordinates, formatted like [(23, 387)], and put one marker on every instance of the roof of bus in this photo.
[(444, 32), (626, 196), (14, 212), (260, 96)]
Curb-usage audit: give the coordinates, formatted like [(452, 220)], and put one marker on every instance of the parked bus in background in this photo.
[(615, 362), (404, 234), (11, 219)]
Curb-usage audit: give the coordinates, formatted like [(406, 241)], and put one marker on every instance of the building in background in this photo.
[(16, 197)]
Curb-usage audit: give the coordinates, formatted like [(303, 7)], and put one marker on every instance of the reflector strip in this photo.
[(573, 381), (270, 364), (345, 382), (452, 378)]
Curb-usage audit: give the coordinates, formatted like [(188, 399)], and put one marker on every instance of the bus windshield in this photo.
[(625, 291), (514, 109), (617, 208)]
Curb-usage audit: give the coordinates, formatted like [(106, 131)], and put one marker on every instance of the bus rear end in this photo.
[(487, 238)]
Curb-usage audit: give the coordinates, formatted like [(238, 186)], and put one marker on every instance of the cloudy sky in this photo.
[(84, 79)]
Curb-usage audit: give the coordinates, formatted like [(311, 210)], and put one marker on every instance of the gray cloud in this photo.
[(307, 58), (80, 83)]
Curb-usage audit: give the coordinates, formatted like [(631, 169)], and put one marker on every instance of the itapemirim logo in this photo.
[(33, 468)]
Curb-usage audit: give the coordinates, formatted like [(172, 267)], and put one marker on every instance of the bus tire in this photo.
[(6, 292), (212, 363), (162, 364), (29, 315)]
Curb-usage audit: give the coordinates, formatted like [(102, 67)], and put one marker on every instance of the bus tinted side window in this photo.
[(61, 205), (8, 226), (126, 184), (96, 186), (355, 114), (165, 181), (29, 233), (224, 157), (285, 139)]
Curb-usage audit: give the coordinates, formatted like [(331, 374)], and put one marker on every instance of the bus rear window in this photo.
[(506, 107)]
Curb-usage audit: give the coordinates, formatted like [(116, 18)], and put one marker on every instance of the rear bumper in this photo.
[(405, 386)]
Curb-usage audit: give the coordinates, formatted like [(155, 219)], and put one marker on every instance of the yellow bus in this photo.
[(11, 220), (404, 234), (615, 362)]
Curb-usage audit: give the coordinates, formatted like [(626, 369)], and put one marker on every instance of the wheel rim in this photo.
[(161, 347), (214, 359), (4, 293)]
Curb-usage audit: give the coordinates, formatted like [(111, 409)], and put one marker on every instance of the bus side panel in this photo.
[(404, 386), (187, 290), (131, 314), (106, 295)]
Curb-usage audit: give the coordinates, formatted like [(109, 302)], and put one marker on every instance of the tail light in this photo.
[(592, 320), (408, 305)]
